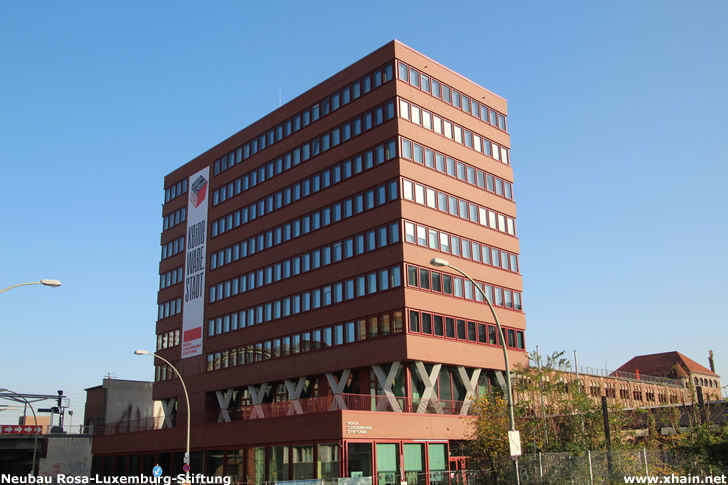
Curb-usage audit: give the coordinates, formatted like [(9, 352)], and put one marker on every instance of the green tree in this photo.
[(557, 414), (488, 445)]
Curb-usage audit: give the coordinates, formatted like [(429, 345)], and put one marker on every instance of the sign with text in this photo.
[(514, 440), (193, 305), (353, 427)]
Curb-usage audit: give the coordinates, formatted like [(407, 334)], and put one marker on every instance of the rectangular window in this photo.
[(449, 327), (461, 329), (426, 323), (447, 284), (438, 325), (436, 282), (424, 279), (412, 275), (414, 321), (482, 334)]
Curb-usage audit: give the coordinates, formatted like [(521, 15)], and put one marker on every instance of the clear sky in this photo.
[(617, 115)]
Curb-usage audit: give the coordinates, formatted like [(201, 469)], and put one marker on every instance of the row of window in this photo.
[(175, 190), (168, 339), (449, 327), (357, 287), (309, 115), (442, 201), (333, 175), (275, 201), (354, 245), (649, 394), (171, 278), (451, 130), (321, 338), (313, 221), (455, 168), (163, 373), (169, 308), (304, 188), (174, 218), (298, 227), (173, 247), (705, 382), (458, 287), (312, 260), (451, 96), (459, 246)]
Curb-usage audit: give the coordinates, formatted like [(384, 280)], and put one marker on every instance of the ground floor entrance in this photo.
[(389, 462)]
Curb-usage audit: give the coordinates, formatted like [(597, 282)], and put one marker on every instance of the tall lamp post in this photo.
[(187, 397), (35, 419), (439, 262), (51, 283)]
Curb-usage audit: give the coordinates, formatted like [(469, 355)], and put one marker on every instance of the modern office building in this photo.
[(296, 295)]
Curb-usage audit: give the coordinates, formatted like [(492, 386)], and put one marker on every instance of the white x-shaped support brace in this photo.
[(387, 381), (168, 408), (223, 400), (257, 397), (500, 378), (470, 384), (294, 395), (428, 395), (337, 387)]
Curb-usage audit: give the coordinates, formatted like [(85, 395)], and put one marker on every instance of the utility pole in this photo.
[(543, 408), (607, 437)]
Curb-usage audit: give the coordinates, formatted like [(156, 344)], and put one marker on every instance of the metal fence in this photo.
[(591, 467)]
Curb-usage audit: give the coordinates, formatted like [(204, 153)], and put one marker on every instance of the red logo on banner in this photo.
[(199, 191), (192, 334)]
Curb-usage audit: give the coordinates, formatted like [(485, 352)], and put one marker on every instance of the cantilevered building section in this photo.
[(328, 346)]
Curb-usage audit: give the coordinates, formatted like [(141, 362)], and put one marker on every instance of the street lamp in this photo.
[(187, 397), (438, 263), (35, 419), (51, 283)]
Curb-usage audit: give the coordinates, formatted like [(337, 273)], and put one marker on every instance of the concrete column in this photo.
[(294, 395), (168, 408), (429, 380), (223, 400), (257, 396), (337, 387), (387, 381), (470, 384)]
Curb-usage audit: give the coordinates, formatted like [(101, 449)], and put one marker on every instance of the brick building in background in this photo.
[(296, 296)]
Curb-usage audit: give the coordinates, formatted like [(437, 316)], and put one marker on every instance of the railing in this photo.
[(314, 405), (323, 404), (665, 381)]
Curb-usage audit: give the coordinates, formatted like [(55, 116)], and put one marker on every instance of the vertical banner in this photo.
[(193, 305)]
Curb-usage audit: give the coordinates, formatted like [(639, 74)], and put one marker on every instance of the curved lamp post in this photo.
[(187, 397), (439, 262), (51, 283), (35, 419)]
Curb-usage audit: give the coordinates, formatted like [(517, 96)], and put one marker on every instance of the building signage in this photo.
[(193, 305), (353, 427)]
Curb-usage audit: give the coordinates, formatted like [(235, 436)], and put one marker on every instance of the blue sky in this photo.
[(618, 131)]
